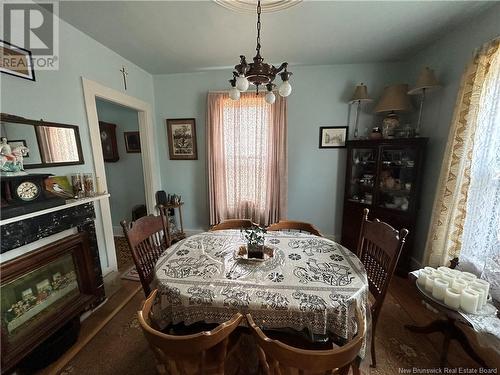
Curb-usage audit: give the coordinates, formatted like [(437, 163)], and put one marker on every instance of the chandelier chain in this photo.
[(258, 27)]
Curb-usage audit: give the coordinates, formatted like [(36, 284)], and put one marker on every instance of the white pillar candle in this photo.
[(469, 300), (439, 289), (482, 295), (444, 269), (452, 298), (459, 284), (430, 269), (438, 273), (468, 275), (422, 277), (429, 283), (448, 278), (455, 273), (482, 284)]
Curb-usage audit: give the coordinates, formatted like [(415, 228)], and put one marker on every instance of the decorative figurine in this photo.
[(11, 160)]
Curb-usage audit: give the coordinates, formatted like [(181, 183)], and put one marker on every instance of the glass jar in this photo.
[(88, 185), (77, 183)]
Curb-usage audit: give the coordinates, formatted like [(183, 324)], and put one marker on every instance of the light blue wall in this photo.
[(58, 95), (316, 177), (125, 177), (448, 56)]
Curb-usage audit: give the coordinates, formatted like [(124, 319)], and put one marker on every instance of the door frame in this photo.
[(93, 90)]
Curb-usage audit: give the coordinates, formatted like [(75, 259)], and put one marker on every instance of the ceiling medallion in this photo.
[(259, 73), (248, 6)]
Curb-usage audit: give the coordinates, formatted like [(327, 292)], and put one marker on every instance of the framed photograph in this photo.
[(132, 142), (19, 142), (16, 61), (108, 141), (332, 136), (182, 139)]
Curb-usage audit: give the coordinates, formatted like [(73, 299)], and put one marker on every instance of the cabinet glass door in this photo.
[(397, 178), (363, 172)]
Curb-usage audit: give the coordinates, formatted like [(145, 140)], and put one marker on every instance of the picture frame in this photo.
[(19, 142), (132, 142), (108, 142), (19, 57), (333, 136), (181, 135)]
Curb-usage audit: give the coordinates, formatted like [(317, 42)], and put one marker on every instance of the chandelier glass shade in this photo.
[(259, 73)]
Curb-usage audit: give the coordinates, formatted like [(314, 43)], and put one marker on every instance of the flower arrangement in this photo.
[(255, 241)]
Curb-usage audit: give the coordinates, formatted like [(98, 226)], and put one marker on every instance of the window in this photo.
[(481, 238), (247, 158), (246, 125)]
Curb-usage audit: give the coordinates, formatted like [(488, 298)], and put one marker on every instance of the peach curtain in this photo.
[(444, 240), (247, 158)]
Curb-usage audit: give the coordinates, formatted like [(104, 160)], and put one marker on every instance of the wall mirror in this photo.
[(50, 144)]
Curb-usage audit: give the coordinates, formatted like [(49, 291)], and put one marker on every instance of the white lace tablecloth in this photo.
[(311, 282)]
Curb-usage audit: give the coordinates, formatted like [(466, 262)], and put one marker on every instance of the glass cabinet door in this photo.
[(363, 173), (396, 178)]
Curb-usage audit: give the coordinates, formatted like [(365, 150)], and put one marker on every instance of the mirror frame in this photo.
[(4, 117)]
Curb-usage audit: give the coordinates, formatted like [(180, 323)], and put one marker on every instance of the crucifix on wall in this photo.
[(125, 74)]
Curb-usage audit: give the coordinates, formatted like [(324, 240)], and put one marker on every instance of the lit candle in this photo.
[(429, 283), (422, 277), (439, 289), (459, 284), (469, 300), (482, 295), (452, 298)]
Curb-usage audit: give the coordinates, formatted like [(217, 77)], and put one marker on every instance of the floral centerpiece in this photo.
[(255, 241)]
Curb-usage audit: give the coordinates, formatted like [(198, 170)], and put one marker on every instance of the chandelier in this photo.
[(259, 73)]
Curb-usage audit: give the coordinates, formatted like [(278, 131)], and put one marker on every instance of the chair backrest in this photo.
[(379, 248), (178, 353), (233, 224), (147, 241), (280, 358), (294, 225)]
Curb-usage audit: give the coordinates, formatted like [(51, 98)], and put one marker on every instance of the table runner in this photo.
[(311, 282)]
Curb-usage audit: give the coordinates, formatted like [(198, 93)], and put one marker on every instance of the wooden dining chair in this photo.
[(233, 224), (286, 225), (199, 353), (379, 248), (147, 240), (278, 358)]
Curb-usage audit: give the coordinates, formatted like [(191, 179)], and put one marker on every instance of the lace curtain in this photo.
[(461, 178), (480, 251), (247, 158)]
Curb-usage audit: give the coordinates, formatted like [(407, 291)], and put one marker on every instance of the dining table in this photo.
[(309, 283)]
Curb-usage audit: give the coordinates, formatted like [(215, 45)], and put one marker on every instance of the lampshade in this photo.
[(360, 94), (426, 80), (394, 98)]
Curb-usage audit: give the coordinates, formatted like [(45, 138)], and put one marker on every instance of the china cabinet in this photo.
[(384, 176)]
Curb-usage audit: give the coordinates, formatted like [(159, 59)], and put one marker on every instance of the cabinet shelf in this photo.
[(394, 166)]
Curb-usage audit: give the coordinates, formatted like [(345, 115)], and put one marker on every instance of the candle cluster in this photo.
[(455, 288)]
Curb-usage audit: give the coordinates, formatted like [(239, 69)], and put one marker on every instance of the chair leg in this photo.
[(374, 358)]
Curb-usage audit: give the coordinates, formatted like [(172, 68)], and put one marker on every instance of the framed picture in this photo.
[(60, 186), (108, 141), (19, 142), (182, 139), (332, 136), (16, 61), (132, 142)]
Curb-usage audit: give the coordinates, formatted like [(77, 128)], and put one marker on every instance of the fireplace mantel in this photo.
[(69, 203)]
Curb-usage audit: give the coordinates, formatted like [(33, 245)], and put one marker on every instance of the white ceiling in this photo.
[(187, 36)]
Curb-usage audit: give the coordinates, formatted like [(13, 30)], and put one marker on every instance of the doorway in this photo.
[(121, 149), (94, 92)]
